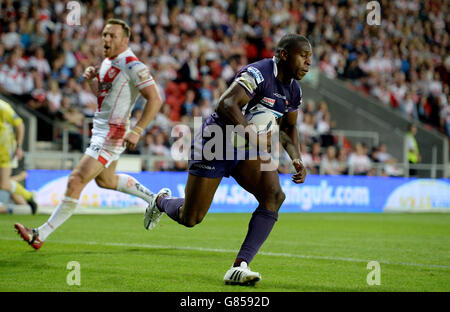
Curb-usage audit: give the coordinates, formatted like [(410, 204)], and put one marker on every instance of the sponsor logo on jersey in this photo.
[(112, 72), (144, 74), (256, 73), (280, 96), (104, 86), (268, 101)]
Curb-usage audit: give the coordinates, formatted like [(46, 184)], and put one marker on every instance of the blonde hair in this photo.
[(125, 27)]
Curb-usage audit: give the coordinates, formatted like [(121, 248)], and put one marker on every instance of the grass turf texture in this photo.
[(305, 252)]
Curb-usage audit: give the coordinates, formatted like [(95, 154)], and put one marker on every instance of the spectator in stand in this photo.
[(323, 127), (342, 160), (189, 103), (358, 161), (39, 62), (73, 119), (158, 148), (205, 108), (54, 97), (330, 164), (87, 100), (307, 159), (445, 118), (389, 162), (307, 129), (316, 157), (13, 80), (408, 105), (413, 148)]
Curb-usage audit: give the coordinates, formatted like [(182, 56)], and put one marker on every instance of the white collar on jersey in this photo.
[(275, 68), (119, 55)]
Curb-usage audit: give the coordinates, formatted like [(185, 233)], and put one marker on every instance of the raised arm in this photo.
[(90, 74)]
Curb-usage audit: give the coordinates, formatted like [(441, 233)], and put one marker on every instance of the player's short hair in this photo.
[(288, 41), (125, 27)]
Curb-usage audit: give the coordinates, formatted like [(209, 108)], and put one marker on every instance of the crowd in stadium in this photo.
[(194, 48)]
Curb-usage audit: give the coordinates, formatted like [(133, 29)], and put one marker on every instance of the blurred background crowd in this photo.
[(194, 49)]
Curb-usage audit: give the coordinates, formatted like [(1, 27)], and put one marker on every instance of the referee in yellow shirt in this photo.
[(12, 132)]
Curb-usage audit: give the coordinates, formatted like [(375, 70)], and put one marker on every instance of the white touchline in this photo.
[(264, 253)]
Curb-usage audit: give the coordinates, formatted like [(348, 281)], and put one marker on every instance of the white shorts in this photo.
[(98, 149)]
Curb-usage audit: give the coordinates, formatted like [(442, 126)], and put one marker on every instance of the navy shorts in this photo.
[(208, 167)]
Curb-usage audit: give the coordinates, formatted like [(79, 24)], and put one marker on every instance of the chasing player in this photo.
[(269, 84), (12, 131), (117, 83)]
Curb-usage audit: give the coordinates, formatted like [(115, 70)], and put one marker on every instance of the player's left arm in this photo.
[(152, 107), (290, 141)]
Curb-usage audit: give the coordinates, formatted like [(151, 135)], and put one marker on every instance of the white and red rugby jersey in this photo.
[(119, 82)]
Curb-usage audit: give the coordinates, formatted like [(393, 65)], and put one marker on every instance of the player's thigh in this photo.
[(264, 185), (5, 178), (87, 169), (199, 193)]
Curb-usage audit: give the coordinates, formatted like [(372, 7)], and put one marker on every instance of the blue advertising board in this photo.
[(317, 194)]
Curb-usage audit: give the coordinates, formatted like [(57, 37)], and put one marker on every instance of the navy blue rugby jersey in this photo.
[(266, 92)]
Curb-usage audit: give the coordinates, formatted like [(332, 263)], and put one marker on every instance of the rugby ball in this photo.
[(262, 121)]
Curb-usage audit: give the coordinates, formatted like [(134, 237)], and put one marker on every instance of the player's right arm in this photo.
[(230, 103), (245, 86), (229, 111), (90, 74), (141, 77)]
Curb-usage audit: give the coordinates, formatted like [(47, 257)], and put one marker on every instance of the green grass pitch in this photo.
[(305, 252)]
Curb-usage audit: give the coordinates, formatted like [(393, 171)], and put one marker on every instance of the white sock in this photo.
[(129, 185), (63, 212)]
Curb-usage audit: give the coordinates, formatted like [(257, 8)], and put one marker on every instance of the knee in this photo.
[(280, 197), (273, 200), (76, 182), (190, 221)]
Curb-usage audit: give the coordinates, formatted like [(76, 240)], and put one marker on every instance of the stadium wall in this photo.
[(317, 194)]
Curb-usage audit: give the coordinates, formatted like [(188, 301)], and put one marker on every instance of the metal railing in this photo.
[(67, 160), (341, 134)]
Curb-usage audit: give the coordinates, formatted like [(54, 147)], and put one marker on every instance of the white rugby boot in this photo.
[(152, 214), (241, 275)]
